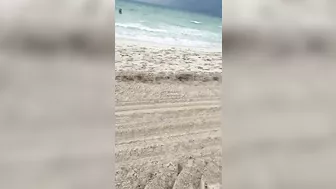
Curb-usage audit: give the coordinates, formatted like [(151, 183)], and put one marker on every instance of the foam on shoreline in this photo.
[(127, 42)]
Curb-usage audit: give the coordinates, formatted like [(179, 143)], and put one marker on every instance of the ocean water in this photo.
[(149, 23)]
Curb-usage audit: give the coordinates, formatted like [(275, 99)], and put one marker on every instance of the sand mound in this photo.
[(158, 77)]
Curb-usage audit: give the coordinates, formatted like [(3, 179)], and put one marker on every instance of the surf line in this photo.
[(195, 22)]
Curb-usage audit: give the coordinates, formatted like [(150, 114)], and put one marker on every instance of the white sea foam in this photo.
[(168, 41), (139, 26), (195, 22)]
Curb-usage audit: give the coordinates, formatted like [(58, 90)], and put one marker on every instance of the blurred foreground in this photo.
[(278, 96), (56, 94), (279, 125)]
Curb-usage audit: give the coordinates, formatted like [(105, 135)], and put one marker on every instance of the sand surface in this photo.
[(167, 132), (157, 58)]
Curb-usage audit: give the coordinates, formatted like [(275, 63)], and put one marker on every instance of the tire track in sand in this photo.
[(164, 107), (156, 132)]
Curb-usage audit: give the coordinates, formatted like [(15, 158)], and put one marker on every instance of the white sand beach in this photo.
[(166, 116)]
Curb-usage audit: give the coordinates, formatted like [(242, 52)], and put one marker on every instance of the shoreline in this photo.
[(123, 41)]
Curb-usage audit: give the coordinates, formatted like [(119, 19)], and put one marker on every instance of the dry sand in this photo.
[(158, 59), (167, 128)]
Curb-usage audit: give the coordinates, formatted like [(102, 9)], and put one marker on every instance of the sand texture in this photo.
[(167, 132), (146, 58)]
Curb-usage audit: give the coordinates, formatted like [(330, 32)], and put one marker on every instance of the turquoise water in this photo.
[(162, 25)]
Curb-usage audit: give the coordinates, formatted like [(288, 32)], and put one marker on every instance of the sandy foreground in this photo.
[(167, 123)]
